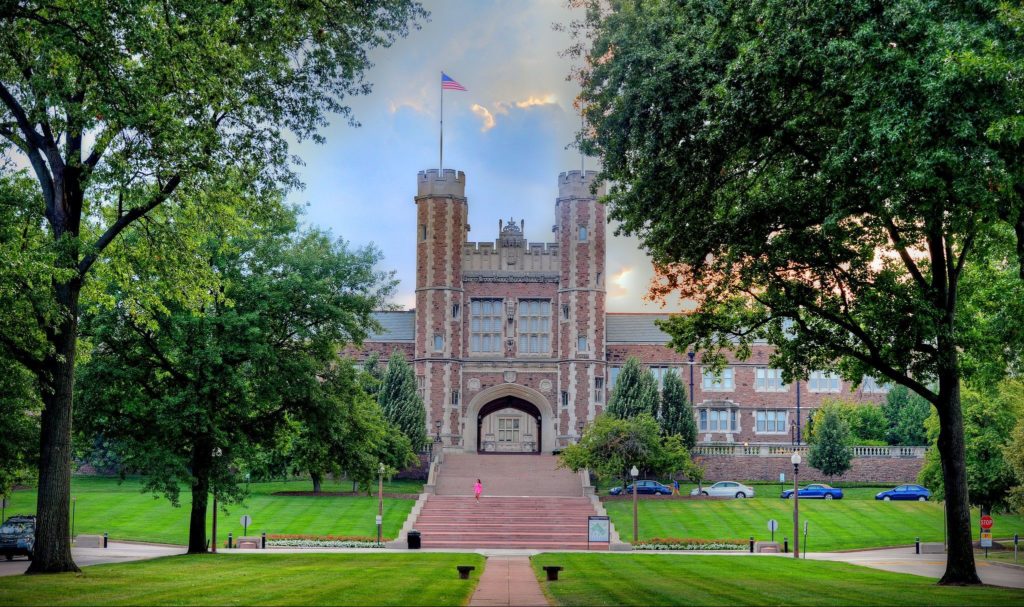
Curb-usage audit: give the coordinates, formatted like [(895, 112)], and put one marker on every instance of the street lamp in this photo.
[(579, 426), (380, 500), (437, 431), (795, 458), (636, 529), (691, 354), (215, 453)]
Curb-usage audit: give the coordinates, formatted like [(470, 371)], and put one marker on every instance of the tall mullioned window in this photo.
[(725, 382), (485, 325), (769, 380), (534, 326)]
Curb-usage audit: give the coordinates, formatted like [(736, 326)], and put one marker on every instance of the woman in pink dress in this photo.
[(478, 488)]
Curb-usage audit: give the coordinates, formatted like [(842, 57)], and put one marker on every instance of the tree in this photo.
[(401, 403), (989, 420), (1013, 453), (635, 392), (866, 422), (830, 446), (676, 410), (189, 395), (905, 413), (818, 175), (610, 446), (373, 374), (122, 109)]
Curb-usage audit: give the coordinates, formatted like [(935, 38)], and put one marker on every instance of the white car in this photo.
[(726, 489)]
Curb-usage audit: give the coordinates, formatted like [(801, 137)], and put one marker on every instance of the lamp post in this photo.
[(636, 529), (795, 458), (691, 354), (437, 432), (579, 434), (213, 543), (380, 500)]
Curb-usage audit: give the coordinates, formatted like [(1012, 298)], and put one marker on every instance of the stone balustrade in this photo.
[(781, 450)]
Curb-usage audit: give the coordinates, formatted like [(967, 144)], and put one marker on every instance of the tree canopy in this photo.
[(144, 109), (821, 175), (400, 401), (830, 444), (677, 411)]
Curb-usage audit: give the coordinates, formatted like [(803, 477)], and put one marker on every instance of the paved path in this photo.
[(116, 552), (508, 580), (903, 560)]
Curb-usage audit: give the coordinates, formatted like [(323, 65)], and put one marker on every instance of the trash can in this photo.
[(414, 540)]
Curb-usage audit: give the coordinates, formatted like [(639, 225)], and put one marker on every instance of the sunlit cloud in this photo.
[(531, 101), (485, 114), (618, 286)]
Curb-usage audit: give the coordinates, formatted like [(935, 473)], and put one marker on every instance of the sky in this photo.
[(510, 132)]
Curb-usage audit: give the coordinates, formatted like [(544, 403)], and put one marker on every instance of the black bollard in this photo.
[(263, 541), (751, 544), (917, 545), (105, 538), (785, 545), (229, 539)]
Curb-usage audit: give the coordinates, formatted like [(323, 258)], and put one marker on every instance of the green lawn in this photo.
[(661, 579), (834, 525), (122, 510), (266, 579)]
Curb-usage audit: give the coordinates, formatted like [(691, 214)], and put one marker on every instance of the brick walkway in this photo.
[(508, 580)]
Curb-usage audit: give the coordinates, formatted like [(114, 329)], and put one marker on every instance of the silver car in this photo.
[(725, 489)]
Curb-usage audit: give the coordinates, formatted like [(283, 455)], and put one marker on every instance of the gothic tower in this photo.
[(441, 225), (581, 301)]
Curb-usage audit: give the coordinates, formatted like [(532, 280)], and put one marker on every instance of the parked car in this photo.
[(905, 492), (644, 488), (725, 489), (817, 491), (18, 537)]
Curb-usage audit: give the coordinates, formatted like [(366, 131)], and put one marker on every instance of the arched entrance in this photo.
[(509, 425), (546, 435)]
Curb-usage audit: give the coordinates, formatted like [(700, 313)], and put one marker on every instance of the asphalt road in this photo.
[(116, 552)]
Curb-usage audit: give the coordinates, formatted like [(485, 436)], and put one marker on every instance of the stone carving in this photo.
[(509, 377), (473, 384), (545, 386)]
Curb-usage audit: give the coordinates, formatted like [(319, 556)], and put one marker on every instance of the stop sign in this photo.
[(986, 522)]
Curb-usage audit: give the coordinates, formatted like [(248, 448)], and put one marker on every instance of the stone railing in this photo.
[(781, 450)]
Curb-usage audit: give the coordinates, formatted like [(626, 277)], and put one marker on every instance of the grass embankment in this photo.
[(658, 579), (833, 525), (123, 511), (266, 579)]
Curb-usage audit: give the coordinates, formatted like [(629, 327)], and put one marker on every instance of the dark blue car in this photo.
[(817, 491), (645, 487), (906, 492)]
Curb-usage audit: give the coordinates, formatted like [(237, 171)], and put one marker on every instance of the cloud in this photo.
[(547, 99), (618, 286), (485, 114)]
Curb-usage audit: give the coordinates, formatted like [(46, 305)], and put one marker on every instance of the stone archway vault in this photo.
[(547, 431)]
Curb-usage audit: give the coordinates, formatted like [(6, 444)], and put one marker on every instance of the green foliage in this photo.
[(610, 446), (1013, 453), (187, 395), (867, 423), (635, 392), (905, 412), (989, 420), (373, 374), (401, 402), (830, 451), (677, 411)]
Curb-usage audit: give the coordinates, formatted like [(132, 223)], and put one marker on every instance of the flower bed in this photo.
[(676, 543), (322, 541)]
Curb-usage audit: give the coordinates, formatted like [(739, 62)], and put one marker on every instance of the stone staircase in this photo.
[(527, 503)]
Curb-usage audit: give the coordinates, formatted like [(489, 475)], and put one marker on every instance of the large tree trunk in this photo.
[(317, 481), (960, 567), (53, 543), (197, 520)]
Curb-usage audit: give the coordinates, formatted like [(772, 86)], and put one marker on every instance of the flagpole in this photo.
[(440, 161)]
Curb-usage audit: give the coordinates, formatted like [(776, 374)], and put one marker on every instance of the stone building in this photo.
[(515, 352)]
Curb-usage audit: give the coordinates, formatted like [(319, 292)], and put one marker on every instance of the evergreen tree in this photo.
[(373, 374), (635, 392), (830, 450), (905, 413), (677, 411), (401, 404)]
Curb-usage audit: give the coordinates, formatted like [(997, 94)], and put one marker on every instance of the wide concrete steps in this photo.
[(506, 475), (548, 523)]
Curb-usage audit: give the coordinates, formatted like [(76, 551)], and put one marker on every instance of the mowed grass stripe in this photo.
[(665, 579), (266, 579), (835, 525), (126, 513)]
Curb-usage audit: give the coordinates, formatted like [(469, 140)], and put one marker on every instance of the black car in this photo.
[(18, 536)]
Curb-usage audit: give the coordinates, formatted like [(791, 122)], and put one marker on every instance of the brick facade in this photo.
[(864, 469), (552, 372)]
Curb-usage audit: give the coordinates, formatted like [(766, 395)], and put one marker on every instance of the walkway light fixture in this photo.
[(795, 459), (636, 529)]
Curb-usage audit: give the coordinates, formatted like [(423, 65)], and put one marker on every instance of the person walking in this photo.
[(675, 486), (478, 488)]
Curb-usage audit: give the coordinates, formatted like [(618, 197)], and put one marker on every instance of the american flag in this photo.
[(451, 85)]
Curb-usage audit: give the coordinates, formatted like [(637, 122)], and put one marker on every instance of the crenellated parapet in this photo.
[(574, 184), (447, 183)]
